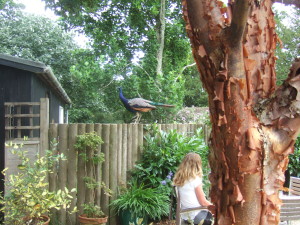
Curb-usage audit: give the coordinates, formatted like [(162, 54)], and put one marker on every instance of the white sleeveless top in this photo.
[(188, 198)]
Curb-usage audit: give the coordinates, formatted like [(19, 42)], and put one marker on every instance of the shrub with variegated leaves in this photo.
[(27, 197)]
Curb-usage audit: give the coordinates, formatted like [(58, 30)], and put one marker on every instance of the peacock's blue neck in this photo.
[(125, 101)]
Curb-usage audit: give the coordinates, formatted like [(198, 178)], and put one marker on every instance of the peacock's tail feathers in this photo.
[(161, 104)]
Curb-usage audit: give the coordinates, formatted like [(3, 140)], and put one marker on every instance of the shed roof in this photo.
[(44, 72)]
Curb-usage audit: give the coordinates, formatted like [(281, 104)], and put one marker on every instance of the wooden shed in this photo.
[(27, 81), (30, 98)]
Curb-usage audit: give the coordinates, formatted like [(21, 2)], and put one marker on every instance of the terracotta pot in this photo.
[(47, 219), (44, 219), (85, 220)]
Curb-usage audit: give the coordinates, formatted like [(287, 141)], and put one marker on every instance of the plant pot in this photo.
[(85, 220), (47, 219), (44, 219), (127, 218)]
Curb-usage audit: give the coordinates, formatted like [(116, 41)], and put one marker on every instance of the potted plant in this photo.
[(92, 214), (87, 146), (136, 204), (28, 200)]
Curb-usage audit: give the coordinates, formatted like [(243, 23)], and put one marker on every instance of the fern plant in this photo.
[(142, 201)]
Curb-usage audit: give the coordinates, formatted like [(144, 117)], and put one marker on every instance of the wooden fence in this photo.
[(122, 148)]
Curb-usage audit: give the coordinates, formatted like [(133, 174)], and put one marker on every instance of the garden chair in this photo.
[(179, 210), (290, 209), (294, 186)]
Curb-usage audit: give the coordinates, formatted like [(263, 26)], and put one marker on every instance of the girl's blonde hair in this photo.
[(189, 168)]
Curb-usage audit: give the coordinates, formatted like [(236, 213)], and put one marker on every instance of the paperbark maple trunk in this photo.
[(254, 123)]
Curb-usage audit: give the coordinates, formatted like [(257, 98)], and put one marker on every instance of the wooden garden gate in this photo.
[(25, 119)]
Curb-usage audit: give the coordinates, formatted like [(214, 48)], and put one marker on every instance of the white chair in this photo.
[(290, 209), (294, 186), (179, 210)]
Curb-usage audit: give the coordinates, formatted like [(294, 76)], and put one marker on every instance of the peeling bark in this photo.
[(254, 123)]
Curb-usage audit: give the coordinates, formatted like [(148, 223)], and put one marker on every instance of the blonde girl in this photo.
[(188, 180)]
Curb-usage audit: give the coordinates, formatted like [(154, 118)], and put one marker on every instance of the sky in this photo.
[(37, 7)]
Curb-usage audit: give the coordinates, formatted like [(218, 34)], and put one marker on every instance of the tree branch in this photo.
[(205, 23), (240, 12)]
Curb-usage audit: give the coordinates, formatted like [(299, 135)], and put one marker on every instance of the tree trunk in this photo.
[(254, 123), (160, 31)]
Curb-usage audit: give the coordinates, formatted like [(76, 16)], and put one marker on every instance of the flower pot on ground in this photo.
[(141, 203), (28, 199), (42, 220), (92, 214)]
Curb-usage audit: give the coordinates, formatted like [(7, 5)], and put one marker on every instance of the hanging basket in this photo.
[(97, 221)]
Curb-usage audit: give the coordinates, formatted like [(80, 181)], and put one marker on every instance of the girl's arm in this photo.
[(201, 196)]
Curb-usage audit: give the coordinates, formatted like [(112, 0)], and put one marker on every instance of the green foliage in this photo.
[(132, 28), (142, 201), (36, 38), (195, 94), (92, 211), (164, 151), (290, 37), (93, 90), (88, 140), (294, 160), (28, 196)]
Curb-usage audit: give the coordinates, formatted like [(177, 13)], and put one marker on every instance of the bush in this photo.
[(28, 197), (294, 163), (142, 202), (162, 154)]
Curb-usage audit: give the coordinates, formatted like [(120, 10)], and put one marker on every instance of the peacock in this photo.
[(137, 105)]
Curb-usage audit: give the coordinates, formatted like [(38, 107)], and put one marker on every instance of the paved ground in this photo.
[(296, 222)]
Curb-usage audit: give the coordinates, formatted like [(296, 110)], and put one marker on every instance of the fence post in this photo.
[(113, 164), (129, 147), (53, 136), (89, 166), (105, 167), (98, 130), (44, 126), (72, 170), (81, 173), (62, 173), (124, 154)]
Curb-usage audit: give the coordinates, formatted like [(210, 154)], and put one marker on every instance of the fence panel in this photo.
[(122, 147)]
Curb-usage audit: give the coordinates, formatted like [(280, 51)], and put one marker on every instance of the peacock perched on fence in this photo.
[(137, 105)]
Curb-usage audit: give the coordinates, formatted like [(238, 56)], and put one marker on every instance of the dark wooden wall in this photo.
[(24, 86), (2, 143)]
